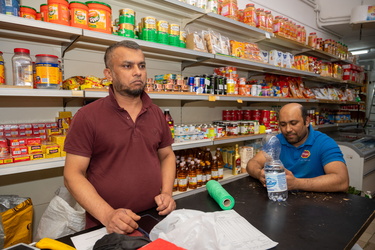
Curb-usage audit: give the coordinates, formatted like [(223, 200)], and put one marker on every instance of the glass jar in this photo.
[(22, 67)]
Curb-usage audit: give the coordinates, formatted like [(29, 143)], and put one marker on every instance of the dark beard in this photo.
[(130, 92)]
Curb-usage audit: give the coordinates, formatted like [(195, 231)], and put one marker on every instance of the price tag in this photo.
[(268, 35), (212, 98), (239, 100), (77, 93)]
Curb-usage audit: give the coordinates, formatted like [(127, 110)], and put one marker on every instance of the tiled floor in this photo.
[(367, 240)]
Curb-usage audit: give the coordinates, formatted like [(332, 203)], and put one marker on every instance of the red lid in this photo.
[(46, 55), (249, 5), (21, 50)]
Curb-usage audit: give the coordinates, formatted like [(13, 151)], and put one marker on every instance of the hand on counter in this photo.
[(122, 221), (165, 203)]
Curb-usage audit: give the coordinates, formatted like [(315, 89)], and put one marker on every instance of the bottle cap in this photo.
[(21, 50)]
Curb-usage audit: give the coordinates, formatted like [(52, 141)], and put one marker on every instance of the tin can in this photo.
[(47, 71), (174, 35), (244, 129), (127, 16), (226, 115), (162, 35), (255, 115), (247, 115), (149, 29), (27, 12), (232, 115), (149, 22), (265, 116), (182, 38), (126, 30), (237, 115), (232, 128)]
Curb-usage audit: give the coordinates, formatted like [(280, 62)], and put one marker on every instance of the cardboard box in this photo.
[(18, 150), (21, 158), (37, 156)]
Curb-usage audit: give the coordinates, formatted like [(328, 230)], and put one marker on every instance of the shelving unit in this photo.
[(70, 38)]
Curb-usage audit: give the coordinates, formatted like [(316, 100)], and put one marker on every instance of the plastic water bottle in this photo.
[(277, 187)]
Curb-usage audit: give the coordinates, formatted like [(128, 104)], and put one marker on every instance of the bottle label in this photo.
[(215, 174), (182, 182), (193, 180), (276, 182), (199, 178), (221, 172)]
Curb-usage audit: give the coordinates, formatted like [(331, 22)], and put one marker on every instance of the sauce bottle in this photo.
[(169, 120)]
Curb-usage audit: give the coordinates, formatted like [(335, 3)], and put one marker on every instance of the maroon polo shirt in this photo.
[(124, 166)]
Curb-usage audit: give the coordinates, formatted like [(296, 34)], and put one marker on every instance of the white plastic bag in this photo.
[(222, 230), (63, 216)]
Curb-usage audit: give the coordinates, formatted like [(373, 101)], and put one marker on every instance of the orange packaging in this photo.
[(27, 12), (238, 49), (269, 21), (277, 25), (79, 15), (99, 16), (261, 19), (249, 15), (38, 16), (44, 12), (58, 12)]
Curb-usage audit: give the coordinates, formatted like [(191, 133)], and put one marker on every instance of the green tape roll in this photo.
[(220, 195)]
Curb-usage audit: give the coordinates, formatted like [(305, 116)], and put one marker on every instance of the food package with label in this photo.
[(213, 41), (288, 60), (238, 49), (225, 45), (51, 149), (276, 58), (195, 41), (264, 55), (252, 52)]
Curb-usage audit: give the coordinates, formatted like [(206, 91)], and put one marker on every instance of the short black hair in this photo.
[(304, 113), (125, 43)]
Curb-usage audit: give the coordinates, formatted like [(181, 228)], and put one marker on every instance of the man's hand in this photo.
[(166, 204), (262, 177), (122, 221)]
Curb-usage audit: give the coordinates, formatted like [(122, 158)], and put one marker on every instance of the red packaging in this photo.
[(226, 115), (247, 115), (36, 131), (273, 116), (6, 160), (25, 126), (18, 150), (265, 117), (33, 141), (1, 130), (12, 142), (237, 115), (255, 115), (4, 149), (21, 158), (231, 115)]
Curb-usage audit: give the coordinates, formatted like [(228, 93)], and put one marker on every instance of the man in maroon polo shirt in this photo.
[(119, 157)]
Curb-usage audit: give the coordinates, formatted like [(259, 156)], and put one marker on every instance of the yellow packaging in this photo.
[(6, 160), (58, 139), (65, 114), (162, 26), (37, 156), (21, 158), (35, 149), (54, 131), (50, 148), (62, 153), (238, 49), (174, 29)]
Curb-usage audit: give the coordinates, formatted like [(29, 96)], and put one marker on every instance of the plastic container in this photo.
[(22, 67), (127, 16), (12, 7), (47, 71), (79, 13), (38, 16), (2, 69), (27, 12), (100, 16), (58, 12), (44, 12)]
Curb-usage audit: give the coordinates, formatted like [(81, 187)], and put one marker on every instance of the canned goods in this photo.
[(174, 29), (27, 12), (265, 116), (183, 39), (255, 115), (58, 12), (273, 115), (149, 22), (44, 12), (127, 16), (226, 115), (126, 30), (244, 128), (247, 115), (232, 128), (162, 26)]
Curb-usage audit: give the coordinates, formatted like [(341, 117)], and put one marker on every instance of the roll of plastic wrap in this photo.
[(220, 195)]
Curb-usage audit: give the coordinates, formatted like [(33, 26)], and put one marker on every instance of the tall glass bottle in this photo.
[(236, 169), (220, 163), (214, 169), (182, 177), (192, 173)]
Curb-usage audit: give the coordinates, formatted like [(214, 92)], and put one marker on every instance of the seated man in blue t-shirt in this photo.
[(313, 160)]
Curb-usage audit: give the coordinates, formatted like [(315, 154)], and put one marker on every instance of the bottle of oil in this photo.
[(192, 175), (236, 169), (208, 156), (220, 163), (199, 173), (203, 167), (182, 177), (175, 183), (207, 171), (214, 169)]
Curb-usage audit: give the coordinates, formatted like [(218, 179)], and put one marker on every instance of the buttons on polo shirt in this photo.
[(128, 117)]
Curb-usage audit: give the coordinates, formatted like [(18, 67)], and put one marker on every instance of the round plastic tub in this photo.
[(44, 12), (47, 72), (27, 12), (79, 15), (99, 16), (58, 12)]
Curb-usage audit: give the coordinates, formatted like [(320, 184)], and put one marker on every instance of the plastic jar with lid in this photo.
[(100, 16), (249, 15), (27, 12), (261, 19), (79, 15), (44, 12), (22, 67), (58, 12), (2, 69), (47, 71), (269, 21), (311, 41)]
